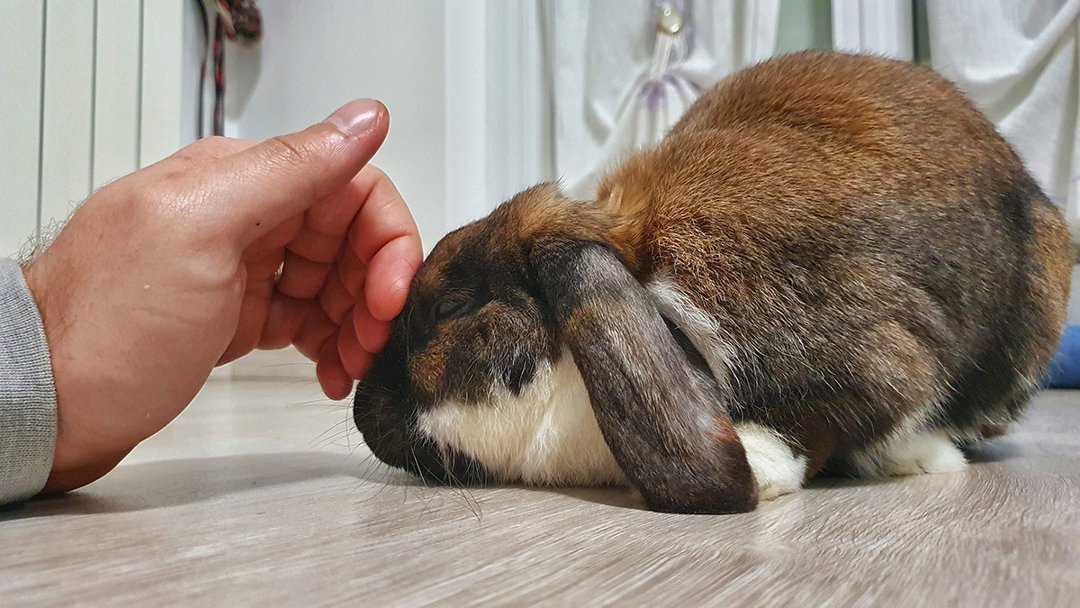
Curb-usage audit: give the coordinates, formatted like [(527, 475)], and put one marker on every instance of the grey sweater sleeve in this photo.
[(27, 392)]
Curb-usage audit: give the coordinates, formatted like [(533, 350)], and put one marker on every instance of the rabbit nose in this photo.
[(374, 408), (369, 396), (381, 425)]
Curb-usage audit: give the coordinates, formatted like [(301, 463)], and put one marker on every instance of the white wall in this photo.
[(21, 31), (313, 60), (92, 89)]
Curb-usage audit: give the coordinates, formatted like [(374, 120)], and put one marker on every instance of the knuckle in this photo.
[(145, 195), (168, 204), (292, 159), (286, 149), (214, 146), (216, 141)]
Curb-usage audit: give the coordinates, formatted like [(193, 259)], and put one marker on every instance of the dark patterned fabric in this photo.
[(237, 20)]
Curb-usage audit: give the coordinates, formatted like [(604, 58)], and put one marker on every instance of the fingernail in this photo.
[(357, 117)]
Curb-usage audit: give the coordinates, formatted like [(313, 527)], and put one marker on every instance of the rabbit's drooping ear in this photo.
[(665, 421)]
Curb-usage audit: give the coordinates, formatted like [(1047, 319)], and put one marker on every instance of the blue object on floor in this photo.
[(1065, 366)]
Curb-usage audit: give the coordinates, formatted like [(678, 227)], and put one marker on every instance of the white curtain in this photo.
[(624, 71), (877, 27), (1020, 63)]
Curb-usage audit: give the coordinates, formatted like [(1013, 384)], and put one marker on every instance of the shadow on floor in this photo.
[(167, 483), (996, 450)]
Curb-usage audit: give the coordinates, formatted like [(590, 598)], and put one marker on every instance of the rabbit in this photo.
[(832, 263)]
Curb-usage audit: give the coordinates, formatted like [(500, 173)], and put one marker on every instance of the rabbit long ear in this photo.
[(665, 422)]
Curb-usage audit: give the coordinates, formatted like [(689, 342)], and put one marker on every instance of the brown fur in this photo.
[(872, 253), (820, 166)]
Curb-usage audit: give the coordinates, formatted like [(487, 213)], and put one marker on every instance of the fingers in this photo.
[(370, 332), (383, 218), (301, 277), (354, 358), (286, 175), (389, 277), (385, 238), (371, 212), (335, 300), (351, 246), (369, 285), (321, 240), (333, 379), (301, 323)]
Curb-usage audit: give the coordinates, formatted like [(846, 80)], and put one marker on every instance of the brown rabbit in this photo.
[(831, 261)]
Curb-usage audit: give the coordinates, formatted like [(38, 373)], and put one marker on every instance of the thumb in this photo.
[(285, 175)]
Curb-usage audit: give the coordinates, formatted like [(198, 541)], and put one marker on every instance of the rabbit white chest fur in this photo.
[(545, 435)]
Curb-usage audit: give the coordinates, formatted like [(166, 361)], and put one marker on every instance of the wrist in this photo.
[(77, 460)]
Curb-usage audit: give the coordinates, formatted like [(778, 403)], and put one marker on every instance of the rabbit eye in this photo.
[(448, 309)]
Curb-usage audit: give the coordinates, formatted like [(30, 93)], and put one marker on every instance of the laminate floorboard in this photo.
[(262, 494)]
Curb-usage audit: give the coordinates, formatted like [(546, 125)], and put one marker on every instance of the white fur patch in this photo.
[(547, 435), (777, 470), (910, 454), (698, 326)]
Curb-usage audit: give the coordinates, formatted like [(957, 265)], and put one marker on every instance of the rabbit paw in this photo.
[(925, 452), (777, 469)]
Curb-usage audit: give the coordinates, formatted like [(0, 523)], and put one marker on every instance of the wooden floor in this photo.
[(258, 496)]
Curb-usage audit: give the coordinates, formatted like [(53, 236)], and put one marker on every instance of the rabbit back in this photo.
[(854, 250)]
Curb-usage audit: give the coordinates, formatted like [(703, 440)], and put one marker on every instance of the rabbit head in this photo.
[(528, 351)]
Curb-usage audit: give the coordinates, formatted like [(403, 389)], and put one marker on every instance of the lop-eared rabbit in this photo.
[(831, 263)]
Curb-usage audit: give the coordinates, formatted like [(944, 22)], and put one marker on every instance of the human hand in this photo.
[(165, 273)]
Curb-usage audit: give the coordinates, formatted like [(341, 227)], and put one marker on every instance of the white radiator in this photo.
[(90, 90)]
